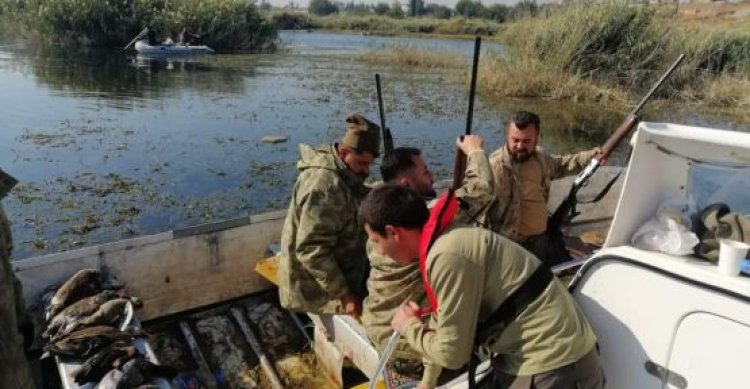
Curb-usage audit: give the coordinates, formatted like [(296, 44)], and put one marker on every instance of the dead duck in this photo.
[(87, 341), (84, 283), (139, 370), (96, 367), (111, 380), (106, 314), (76, 311), (135, 373)]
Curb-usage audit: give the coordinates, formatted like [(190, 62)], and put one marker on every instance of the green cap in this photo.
[(362, 134)]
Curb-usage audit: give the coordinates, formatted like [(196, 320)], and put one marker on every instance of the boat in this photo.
[(142, 47), (661, 320)]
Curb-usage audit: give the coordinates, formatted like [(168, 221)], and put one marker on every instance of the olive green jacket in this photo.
[(472, 271), (322, 244), (389, 284), (505, 214)]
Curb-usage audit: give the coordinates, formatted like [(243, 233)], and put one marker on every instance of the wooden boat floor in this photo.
[(219, 355)]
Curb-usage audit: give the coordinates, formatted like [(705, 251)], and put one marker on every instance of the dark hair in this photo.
[(523, 119), (398, 161), (393, 205)]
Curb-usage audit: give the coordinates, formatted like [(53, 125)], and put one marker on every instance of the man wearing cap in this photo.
[(323, 261), (14, 368)]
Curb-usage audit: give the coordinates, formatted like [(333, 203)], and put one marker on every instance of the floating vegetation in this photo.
[(51, 140)]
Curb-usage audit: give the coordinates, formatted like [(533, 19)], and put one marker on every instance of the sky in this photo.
[(449, 3)]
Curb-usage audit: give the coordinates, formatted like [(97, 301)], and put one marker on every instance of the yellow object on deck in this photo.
[(269, 269), (379, 385)]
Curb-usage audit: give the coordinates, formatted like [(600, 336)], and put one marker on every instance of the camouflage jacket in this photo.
[(390, 284), (322, 244), (505, 214), (14, 370)]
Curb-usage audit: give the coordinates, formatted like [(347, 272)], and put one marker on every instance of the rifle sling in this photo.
[(516, 303)]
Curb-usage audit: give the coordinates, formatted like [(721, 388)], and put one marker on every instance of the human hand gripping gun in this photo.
[(567, 209), (458, 173)]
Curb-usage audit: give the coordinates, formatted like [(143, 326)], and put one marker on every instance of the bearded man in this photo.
[(523, 173)]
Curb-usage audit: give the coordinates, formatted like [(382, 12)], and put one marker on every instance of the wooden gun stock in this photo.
[(567, 209)]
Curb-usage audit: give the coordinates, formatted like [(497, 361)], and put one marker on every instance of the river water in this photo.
[(108, 145)]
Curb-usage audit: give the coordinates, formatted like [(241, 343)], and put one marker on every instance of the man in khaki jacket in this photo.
[(523, 173), (14, 367), (390, 284), (473, 271), (323, 260)]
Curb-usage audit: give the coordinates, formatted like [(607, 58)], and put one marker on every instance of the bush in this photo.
[(322, 7), (469, 8), (438, 11), (225, 24), (381, 8), (291, 21)]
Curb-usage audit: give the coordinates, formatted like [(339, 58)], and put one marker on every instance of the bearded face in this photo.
[(521, 143)]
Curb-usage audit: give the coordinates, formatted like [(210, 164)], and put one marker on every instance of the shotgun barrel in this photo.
[(387, 137), (459, 165)]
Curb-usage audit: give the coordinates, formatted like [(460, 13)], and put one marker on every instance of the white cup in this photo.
[(731, 254)]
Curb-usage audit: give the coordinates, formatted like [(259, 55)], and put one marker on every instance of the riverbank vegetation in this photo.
[(612, 52), (623, 48), (224, 24)]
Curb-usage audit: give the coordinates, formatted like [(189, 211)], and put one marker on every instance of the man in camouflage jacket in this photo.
[(523, 174), (390, 284), (14, 368), (323, 261)]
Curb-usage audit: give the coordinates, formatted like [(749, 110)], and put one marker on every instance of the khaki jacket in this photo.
[(472, 271), (505, 213), (390, 284), (322, 244)]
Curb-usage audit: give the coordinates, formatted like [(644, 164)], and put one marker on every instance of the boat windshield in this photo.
[(714, 183)]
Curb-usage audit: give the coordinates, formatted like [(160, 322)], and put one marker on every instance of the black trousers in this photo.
[(549, 247)]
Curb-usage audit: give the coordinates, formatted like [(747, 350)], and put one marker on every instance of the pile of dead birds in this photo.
[(89, 321)]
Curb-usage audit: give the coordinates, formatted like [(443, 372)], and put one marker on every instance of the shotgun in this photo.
[(566, 211), (459, 165), (387, 137)]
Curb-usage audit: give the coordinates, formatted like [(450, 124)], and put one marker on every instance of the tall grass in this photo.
[(609, 50), (413, 56), (612, 41), (726, 91), (226, 24)]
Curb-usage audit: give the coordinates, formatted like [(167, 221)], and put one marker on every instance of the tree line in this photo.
[(464, 8)]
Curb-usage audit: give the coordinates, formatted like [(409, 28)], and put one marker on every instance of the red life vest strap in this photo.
[(441, 216)]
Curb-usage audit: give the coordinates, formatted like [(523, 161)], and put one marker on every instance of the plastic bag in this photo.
[(663, 233), (679, 209)]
